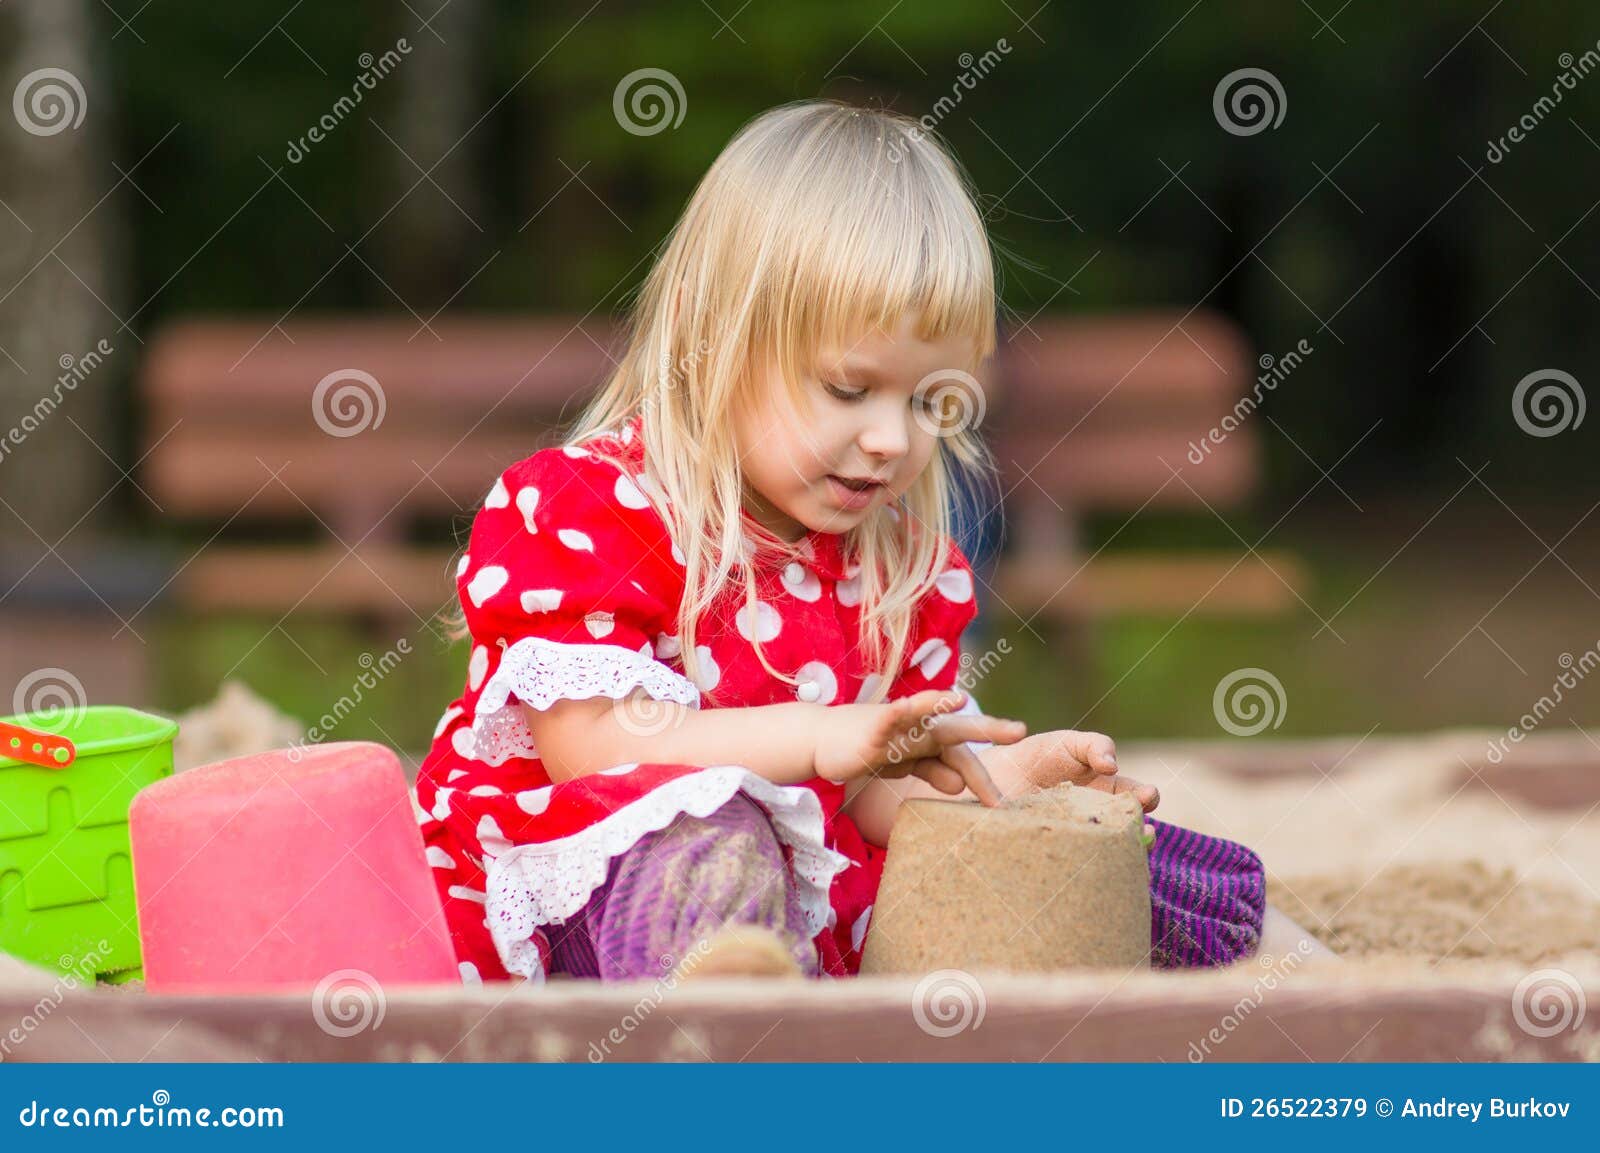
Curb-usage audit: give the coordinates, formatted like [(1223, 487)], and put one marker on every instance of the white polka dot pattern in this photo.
[(571, 584)]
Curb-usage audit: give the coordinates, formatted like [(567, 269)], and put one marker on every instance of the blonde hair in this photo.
[(817, 223)]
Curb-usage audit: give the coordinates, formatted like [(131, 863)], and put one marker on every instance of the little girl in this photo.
[(715, 636)]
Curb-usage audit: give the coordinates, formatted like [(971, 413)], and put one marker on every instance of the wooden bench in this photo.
[(240, 441), (1099, 415), (309, 502)]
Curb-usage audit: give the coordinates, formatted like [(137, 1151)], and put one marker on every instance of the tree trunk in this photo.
[(61, 348)]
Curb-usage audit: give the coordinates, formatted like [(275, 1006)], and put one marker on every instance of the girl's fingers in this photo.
[(966, 762), (926, 704), (1147, 795), (951, 729), (1096, 750), (911, 732), (941, 776)]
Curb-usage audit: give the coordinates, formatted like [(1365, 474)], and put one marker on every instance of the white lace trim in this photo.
[(534, 885), (539, 672)]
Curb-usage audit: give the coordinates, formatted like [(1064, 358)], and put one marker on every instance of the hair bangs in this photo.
[(876, 224)]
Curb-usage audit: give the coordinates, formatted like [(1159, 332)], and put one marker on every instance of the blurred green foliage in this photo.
[(1369, 222), (1401, 252)]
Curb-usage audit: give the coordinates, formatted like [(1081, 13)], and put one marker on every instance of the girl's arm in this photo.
[(576, 738), (787, 744)]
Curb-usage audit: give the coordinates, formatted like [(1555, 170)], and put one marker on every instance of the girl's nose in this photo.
[(886, 437)]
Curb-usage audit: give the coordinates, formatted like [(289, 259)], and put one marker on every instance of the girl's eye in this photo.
[(845, 394)]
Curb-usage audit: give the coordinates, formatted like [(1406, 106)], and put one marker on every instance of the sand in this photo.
[(1055, 880), (1408, 849), (235, 723)]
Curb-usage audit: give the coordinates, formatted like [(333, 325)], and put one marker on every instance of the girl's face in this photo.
[(864, 431)]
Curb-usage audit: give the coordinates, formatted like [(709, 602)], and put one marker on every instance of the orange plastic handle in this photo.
[(35, 747)]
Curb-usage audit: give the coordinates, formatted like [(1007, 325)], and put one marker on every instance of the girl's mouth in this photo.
[(853, 493)]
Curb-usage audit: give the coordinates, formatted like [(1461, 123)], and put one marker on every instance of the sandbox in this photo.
[(1463, 897)]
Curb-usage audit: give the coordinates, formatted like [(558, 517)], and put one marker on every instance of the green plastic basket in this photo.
[(66, 875)]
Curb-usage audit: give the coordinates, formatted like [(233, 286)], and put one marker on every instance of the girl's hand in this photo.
[(913, 736), (1082, 759)]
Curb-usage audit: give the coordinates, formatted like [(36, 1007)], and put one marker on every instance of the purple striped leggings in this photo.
[(675, 887)]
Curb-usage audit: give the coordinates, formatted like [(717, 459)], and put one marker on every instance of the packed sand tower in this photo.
[(1058, 879)]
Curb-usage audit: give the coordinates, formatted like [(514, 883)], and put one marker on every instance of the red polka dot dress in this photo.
[(570, 586)]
